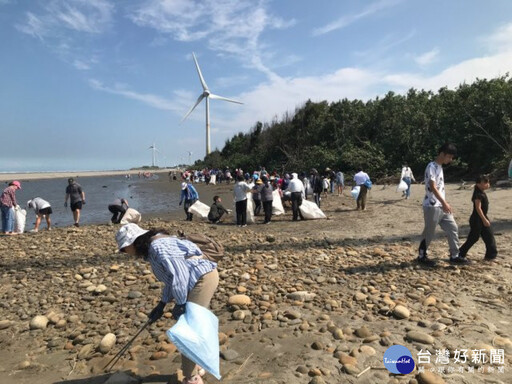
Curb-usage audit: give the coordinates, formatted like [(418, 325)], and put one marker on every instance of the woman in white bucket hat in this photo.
[(180, 266)]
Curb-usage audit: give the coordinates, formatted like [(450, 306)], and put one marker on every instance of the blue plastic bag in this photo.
[(368, 184), (196, 335)]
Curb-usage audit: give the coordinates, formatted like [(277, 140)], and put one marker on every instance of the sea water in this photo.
[(100, 191)]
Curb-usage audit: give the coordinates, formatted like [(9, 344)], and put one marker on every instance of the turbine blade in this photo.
[(191, 109), (217, 97), (201, 78)]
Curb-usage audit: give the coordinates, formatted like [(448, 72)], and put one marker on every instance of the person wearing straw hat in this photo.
[(42, 208), (180, 265), (7, 205)]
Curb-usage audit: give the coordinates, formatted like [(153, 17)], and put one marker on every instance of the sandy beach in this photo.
[(321, 300), (57, 175)]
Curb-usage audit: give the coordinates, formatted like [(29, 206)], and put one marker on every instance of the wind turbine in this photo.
[(206, 95), (153, 147), (189, 157)]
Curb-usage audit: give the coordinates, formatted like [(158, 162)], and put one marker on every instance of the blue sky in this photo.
[(91, 84)]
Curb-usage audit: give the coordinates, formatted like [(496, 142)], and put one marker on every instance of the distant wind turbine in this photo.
[(153, 147), (189, 157), (206, 95)]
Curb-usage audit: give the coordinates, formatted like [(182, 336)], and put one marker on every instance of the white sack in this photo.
[(311, 211), (402, 186), (355, 192), (277, 204), (199, 209), (20, 217)]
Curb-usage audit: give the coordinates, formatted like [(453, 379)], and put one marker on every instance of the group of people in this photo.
[(43, 209)]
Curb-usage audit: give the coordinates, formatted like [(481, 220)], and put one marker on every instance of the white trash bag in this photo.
[(402, 186), (196, 335), (199, 209), (20, 218), (355, 192), (131, 216), (311, 211), (277, 204), (250, 209)]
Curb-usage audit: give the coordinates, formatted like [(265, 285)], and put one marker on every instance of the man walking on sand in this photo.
[(436, 209), (76, 196)]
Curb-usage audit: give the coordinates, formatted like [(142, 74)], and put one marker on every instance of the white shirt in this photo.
[(240, 191), (38, 204), (433, 172), (407, 172), (361, 177), (295, 185)]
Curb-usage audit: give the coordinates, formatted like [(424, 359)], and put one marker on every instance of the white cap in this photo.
[(183, 185), (127, 234)]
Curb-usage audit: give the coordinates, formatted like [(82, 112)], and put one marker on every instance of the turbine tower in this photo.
[(206, 95), (189, 157), (153, 147)]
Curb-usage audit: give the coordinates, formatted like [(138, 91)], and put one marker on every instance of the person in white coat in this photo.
[(296, 188)]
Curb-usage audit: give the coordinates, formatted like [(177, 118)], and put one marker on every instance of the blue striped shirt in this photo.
[(171, 261)]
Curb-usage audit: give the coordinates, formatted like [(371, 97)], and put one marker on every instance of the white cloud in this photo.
[(501, 40), (345, 21), (62, 24), (427, 57), (146, 98), (228, 27), (59, 16)]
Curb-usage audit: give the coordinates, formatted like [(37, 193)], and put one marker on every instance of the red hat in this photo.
[(16, 183)]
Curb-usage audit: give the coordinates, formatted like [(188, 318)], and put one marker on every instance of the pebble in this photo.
[(108, 341), (5, 324), (242, 300), (401, 312), (39, 322), (229, 354), (420, 337), (301, 296), (428, 377)]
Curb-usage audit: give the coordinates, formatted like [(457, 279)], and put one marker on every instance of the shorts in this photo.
[(76, 206), (45, 211)]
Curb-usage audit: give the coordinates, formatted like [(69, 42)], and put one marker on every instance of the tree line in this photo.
[(381, 134)]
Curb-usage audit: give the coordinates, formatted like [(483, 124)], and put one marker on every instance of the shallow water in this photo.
[(99, 193)]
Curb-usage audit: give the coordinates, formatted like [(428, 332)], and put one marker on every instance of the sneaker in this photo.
[(33, 230), (193, 380), (243, 226), (459, 260), (76, 225), (426, 261)]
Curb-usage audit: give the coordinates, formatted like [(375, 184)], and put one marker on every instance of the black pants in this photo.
[(361, 199), (267, 208), (296, 198), (117, 213), (257, 207), (478, 229), (241, 212), (186, 206), (317, 198)]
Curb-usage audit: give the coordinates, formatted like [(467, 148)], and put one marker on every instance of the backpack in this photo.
[(210, 248)]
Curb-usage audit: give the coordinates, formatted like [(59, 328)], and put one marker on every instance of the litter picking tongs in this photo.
[(123, 350)]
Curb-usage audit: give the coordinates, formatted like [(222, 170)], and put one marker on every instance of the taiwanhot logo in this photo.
[(398, 359)]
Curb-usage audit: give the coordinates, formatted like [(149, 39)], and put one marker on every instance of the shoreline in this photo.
[(65, 174)]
